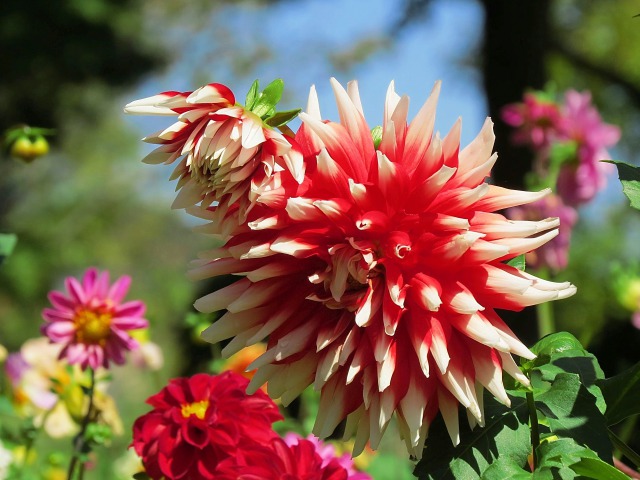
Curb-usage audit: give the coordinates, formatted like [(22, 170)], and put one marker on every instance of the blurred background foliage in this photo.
[(72, 64)]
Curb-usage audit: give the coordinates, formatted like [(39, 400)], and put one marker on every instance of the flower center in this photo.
[(92, 327), (199, 409)]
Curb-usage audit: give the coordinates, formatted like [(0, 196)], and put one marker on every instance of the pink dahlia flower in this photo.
[(281, 460), (327, 452), (536, 121), (198, 422), (227, 154), (580, 181), (391, 263), (91, 321), (555, 253)]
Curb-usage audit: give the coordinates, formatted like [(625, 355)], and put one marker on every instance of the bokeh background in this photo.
[(71, 65)]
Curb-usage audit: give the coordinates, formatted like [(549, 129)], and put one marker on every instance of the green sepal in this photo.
[(282, 118), (7, 244), (252, 95), (518, 262), (265, 104), (630, 180), (376, 135)]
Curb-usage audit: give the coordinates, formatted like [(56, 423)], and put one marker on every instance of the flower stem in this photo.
[(79, 441), (546, 323), (535, 433)]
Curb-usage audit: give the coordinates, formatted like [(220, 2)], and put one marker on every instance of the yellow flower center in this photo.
[(199, 409), (92, 327)]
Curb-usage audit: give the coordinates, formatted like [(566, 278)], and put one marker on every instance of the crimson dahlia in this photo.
[(198, 422), (379, 281)]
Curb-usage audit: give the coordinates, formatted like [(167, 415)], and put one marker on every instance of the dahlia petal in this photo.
[(431, 187), (326, 367), (498, 198), (298, 376), (475, 326), (77, 291), (289, 344), (60, 302), (354, 95), (473, 177), (219, 299), (150, 106), (369, 306), (438, 347), (351, 118), (518, 246), (240, 341), (489, 373), (386, 368), (256, 295), (231, 324), (509, 366), (461, 300), (60, 331), (51, 315), (449, 411), (473, 155), (212, 93), (420, 132), (412, 407), (130, 309), (252, 132), (129, 323), (451, 144), (119, 289)]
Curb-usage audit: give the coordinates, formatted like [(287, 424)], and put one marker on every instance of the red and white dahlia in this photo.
[(227, 153), (379, 284), (91, 320), (199, 422)]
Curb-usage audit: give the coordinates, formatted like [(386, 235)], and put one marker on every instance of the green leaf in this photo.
[(7, 244), (252, 95), (269, 98), (518, 262), (621, 393), (597, 469), (566, 453), (630, 179), (571, 411), (141, 476), (506, 467), (376, 135), (506, 433), (282, 118), (556, 343)]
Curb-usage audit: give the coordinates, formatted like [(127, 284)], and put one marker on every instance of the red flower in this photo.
[(227, 153), (379, 283), (198, 422), (279, 461)]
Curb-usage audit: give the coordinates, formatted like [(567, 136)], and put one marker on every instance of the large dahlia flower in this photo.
[(92, 322), (198, 422), (227, 153), (379, 284)]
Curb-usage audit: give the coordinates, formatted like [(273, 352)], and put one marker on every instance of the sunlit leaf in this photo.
[(630, 179)]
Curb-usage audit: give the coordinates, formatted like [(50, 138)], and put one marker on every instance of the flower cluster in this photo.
[(376, 277), (206, 427), (92, 322), (51, 391), (575, 131), (569, 141)]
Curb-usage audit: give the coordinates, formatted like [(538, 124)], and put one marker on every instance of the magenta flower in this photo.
[(91, 320), (555, 253), (536, 121), (580, 181)]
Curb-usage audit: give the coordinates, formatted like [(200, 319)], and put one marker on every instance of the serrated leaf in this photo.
[(630, 180), (252, 95), (506, 433), (282, 118), (7, 244), (269, 98), (506, 467), (566, 453), (518, 262), (571, 411), (621, 393)]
